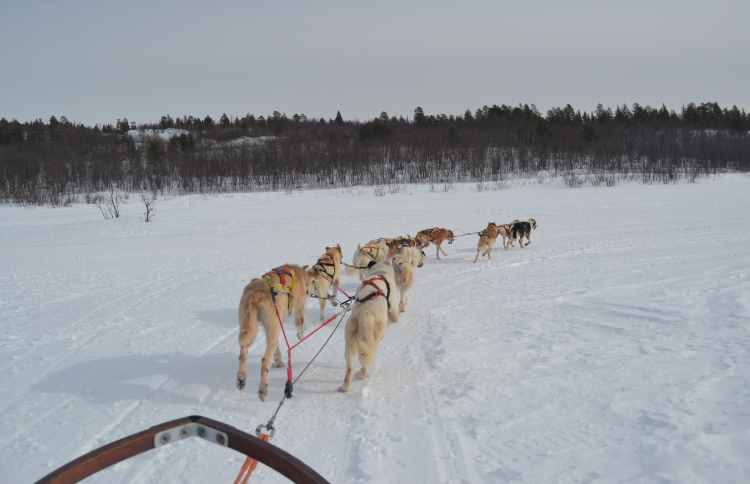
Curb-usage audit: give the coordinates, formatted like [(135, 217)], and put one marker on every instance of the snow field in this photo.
[(615, 348)]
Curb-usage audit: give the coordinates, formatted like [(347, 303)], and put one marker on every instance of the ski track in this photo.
[(615, 348)]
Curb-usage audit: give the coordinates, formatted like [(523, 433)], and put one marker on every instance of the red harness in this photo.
[(378, 292)]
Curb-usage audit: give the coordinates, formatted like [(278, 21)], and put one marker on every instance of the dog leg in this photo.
[(476, 258), (442, 251), (437, 251), (272, 346), (246, 339), (299, 319), (348, 354), (322, 316)]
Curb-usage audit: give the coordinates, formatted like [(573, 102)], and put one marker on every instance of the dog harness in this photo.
[(321, 268), (280, 280), (368, 250), (378, 292)]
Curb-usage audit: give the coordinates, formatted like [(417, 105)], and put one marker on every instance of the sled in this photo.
[(167, 433)]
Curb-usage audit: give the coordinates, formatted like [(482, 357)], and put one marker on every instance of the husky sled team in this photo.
[(386, 268)]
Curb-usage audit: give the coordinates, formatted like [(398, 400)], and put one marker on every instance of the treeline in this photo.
[(58, 161)]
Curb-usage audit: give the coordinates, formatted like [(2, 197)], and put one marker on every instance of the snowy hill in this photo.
[(615, 348)]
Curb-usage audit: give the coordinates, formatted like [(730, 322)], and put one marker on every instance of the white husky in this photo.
[(376, 304), (405, 263), (373, 251)]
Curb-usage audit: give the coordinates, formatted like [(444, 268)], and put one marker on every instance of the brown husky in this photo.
[(487, 238), (324, 277), (435, 235), (285, 288)]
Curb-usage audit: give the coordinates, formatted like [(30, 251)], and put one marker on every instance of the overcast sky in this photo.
[(95, 61)]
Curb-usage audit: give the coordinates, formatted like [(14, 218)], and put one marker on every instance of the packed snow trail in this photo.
[(615, 348)]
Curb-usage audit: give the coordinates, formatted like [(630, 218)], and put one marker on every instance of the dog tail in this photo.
[(248, 316)]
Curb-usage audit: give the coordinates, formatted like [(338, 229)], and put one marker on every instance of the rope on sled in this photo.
[(249, 465)]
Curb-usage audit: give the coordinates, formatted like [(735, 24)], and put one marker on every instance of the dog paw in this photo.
[(240, 382), (360, 375), (278, 364), (343, 389), (263, 392)]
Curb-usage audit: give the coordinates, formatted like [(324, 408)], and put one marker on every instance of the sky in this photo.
[(96, 61)]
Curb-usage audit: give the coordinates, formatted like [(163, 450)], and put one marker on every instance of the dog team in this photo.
[(386, 269)]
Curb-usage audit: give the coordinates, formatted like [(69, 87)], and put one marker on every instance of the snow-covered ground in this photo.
[(615, 348)]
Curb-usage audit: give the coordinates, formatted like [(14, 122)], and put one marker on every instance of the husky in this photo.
[(504, 231), (376, 305), (405, 262), (397, 243), (324, 277), (373, 251), (487, 238), (521, 230), (268, 300), (435, 235)]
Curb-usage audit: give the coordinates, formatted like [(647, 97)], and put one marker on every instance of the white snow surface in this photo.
[(615, 348)]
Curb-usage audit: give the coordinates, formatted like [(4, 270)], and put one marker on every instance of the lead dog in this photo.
[(325, 277), (405, 262), (376, 304), (487, 238), (521, 230), (285, 288), (435, 235)]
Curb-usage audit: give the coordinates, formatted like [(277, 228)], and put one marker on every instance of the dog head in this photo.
[(532, 222), (420, 258), (335, 251), (451, 237)]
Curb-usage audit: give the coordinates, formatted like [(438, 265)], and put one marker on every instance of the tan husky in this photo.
[(435, 235), (324, 277), (376, 304), (397, 243), (405, 262), (285, 288), (487, 238), (373, 251)]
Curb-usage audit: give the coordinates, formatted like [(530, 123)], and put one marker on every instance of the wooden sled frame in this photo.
[(166, 433)]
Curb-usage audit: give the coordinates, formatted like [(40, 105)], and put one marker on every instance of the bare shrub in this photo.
[(109, 203), (148, 202)]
